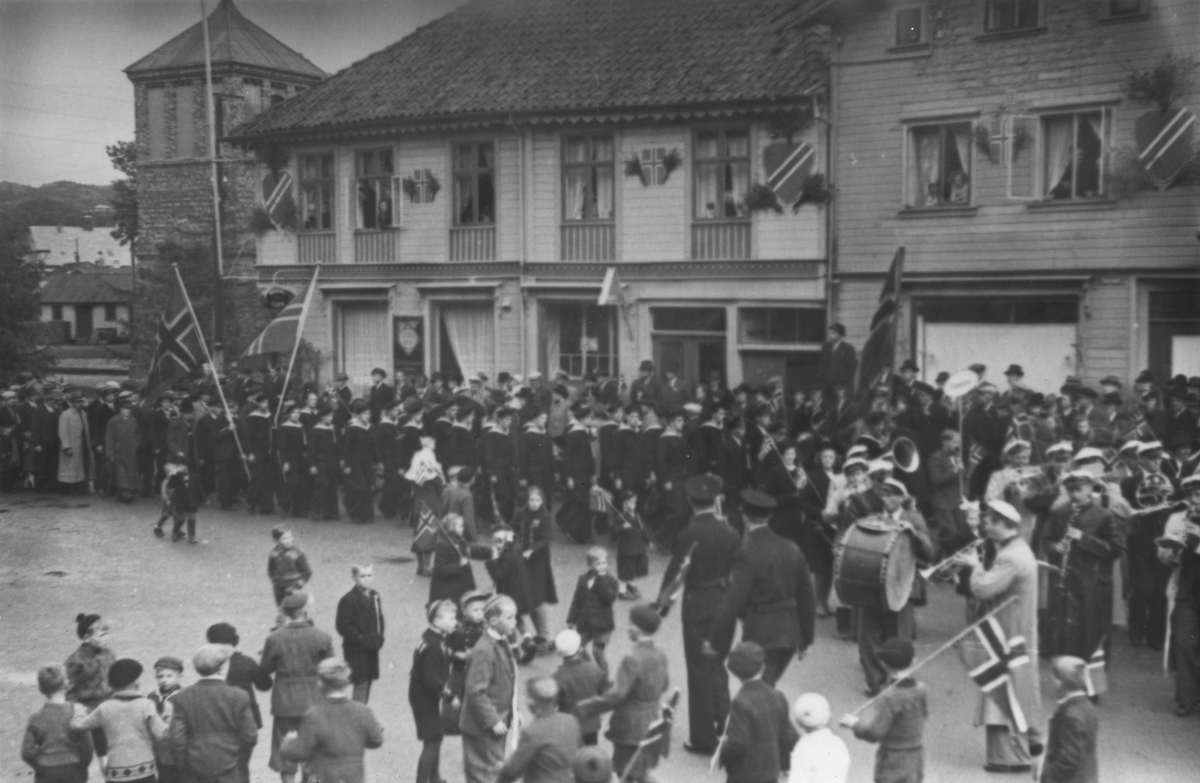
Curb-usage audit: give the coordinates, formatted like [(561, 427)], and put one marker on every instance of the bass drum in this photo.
[(875, 566)]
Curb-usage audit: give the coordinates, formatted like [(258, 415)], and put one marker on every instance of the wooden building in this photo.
[(467, 191), (994, 140)]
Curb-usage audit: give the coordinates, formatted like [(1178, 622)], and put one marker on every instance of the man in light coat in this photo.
[(488, 708), (75, 444)]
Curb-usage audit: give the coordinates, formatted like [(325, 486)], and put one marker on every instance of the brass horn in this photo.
[(904, 455)]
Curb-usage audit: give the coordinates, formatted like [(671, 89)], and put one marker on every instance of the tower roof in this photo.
[(235, 41)]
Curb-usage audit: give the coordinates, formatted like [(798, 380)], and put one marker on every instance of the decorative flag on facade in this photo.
[(1095, 674), (179, 352), (787, 165), (277, 194), (1165, 143), (991, 659), (879, 351)]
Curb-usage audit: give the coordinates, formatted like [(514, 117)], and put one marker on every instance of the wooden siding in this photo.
[(1075, 61), (546, 196), (654, 221), (424, 236), (792, 235)]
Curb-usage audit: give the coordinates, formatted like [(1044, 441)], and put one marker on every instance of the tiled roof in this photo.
[(531, 57), (79, 288), (234, 39), (61, 242)]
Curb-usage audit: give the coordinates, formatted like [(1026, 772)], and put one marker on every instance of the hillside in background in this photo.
[(53, 204)]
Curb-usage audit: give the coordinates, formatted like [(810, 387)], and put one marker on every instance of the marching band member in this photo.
[(1011, 483), (1179, 548), (1147, 490)]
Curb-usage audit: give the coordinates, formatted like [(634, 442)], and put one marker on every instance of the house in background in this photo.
[(470, 190), (995, 141), (93, 307), (56, 246)]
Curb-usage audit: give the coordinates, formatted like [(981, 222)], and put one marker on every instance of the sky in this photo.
[(64, 94)]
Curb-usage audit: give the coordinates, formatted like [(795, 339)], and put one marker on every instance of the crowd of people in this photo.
[(1037, 503)]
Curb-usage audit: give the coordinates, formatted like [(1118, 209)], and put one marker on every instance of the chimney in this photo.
[(88, 222)]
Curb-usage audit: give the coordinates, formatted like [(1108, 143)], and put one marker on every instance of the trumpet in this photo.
[(955, 560)]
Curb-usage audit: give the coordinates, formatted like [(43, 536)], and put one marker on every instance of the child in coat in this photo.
[(510, 575), (57, 753), (631, 538), (820, 755), (183, 492), (897, 720), (130, 724), (532, 526), (591, 611), (287, 566), (758, 734), (458, 645), (578, 678), (166, 509), (427, 683), (168, 671)]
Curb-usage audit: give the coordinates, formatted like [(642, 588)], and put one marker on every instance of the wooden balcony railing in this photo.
[(721, 241), (316, 248), (474, 243), (375, 247), (589, 242)]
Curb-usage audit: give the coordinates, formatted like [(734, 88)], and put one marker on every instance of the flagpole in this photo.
[(220, 390), (218, 332), (953, 640), (312, 284)]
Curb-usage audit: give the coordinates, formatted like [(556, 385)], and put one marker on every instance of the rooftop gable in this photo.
[(235, 40), (500, 58), (80, 288)]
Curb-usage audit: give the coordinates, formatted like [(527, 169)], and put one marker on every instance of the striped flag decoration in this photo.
[(1165, 143), (786, 166), (1095, 674)]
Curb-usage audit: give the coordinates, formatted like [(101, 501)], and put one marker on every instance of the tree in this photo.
[(123, 155), (19, 306)]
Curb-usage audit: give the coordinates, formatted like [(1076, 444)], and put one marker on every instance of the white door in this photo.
[(365, 342), (1185, 355), (1045, 351)]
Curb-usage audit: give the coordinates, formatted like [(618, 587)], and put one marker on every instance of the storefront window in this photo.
[(580, 338), (781, 325)]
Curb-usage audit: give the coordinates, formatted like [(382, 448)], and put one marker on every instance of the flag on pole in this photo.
[(1095, 673), (879, 351), (282, 335), (427, 529), (179, 351), (671, 592), (658, 735), (991, 659)]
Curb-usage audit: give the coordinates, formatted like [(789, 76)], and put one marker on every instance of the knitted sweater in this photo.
[(132, 726), (50, 741)]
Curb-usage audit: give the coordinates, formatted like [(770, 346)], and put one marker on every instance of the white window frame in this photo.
[(300, 183), (1035, 123), (907, 127), (395, 188)]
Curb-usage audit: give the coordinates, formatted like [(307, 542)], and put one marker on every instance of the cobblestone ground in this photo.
[(63, 555)]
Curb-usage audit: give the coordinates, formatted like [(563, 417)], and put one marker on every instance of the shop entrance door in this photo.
[(691, 358)]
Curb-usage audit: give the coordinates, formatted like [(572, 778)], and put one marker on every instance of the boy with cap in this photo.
[(287, 566), (129, 722), (546, 750), (591, 613), (578, 678), (896, 720), (242, 672), (333, 735), (634, 698), (168, 670), (213, 726), (428, 682), (820, 756), (292, 653), (758, 737), (57, 753)]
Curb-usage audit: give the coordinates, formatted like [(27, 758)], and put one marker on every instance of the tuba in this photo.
[(1153, 490), (904, 455)]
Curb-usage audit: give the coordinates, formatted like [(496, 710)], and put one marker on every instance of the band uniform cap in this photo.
[(1079, 477), (1111, 380), (896, 653), (341, 376), (986, 387), (879, 465), (774, 379), (535, 375), (1005, 510), (1134, 446), (894, 485), (8, 394), (693, 408), (746, 660), (924, 388), (644, 618), (1062, 446), (1191, 483), (474, 596), (703, 487), (755, 500), (1088, 453), (1016, 443), (294, 601), (646, 366), (909, 364), (1151, 445), (857, 450), (592, 765), (169, 662), (567, 642), (1015, 369), (854, 462)]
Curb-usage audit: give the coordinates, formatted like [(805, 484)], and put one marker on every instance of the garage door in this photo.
[(1045, 351), (365, 342)]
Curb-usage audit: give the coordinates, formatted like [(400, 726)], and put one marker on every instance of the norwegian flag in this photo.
[(427, 530), (671, 592), (879, 351), (179, 352), (991, 659), (1095, 674)]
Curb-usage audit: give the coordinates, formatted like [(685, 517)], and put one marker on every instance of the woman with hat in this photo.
[(1012, 482), (87, 668)]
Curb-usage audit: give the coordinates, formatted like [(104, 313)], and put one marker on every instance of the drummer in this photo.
[(875, 626)]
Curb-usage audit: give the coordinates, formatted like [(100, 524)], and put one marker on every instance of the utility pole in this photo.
[(219, 268)]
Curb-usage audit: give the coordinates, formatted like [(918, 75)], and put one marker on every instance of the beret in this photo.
[(168, 662), (644, 618), (124, 673), (746, 660), (294, 601), (222, 633)]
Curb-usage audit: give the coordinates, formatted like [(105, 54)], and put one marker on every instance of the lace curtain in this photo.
[(925, 165), (1059, 150), (469, 330)]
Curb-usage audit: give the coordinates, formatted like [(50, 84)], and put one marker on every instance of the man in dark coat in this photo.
[(212, 725), (838, 360), (385, 435), (380, 396), (227, 460), (258, 436), (1071, 745), (291, 653), (500, 462), (360, 623), (574, 518), (707, 545), (759, 738), (44, 430), (734, 469), (99, 412), (672, 468), (770, 589), (985, 430), (645, 390)]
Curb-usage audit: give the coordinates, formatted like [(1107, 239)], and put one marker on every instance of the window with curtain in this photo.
[(939, 165), (1005, 15), (468, 328), (584, 338), (475, 184), (316, 192), (1073, 155), (722, 174), (588, 176), (375, 183)]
